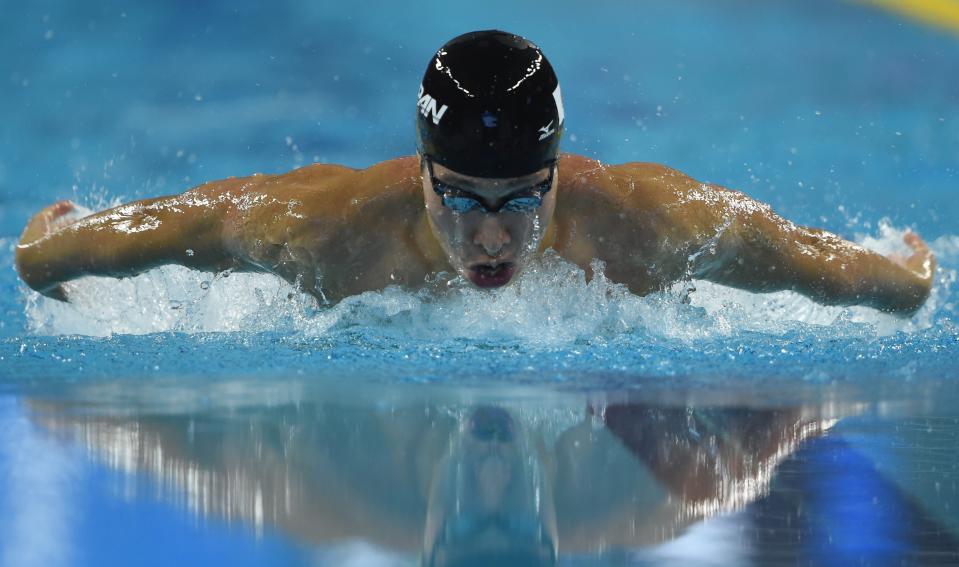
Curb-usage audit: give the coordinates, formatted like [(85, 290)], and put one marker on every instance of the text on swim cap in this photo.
[(427, 106)]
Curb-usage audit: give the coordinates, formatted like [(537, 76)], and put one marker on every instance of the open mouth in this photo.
[(491, 275)]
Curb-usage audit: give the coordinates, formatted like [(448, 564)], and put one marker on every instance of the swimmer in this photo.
[(485, 194)]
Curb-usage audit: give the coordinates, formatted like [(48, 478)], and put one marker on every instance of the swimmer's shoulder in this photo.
[(279, 186), (386, 196), (631, 184), (328, 202), (389, 174), (318, 172), (334, 186)]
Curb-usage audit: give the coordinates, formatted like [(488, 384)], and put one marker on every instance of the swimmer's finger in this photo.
[(44, 222), (62, 214), (923, 263), (915, 242), (62, 207)]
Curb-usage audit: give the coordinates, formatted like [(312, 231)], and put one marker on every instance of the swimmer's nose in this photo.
[(491, 235)]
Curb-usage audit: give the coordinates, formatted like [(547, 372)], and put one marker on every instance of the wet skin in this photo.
[(336, 232)]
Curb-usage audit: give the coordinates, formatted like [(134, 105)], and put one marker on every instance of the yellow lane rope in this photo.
[(942, 13)]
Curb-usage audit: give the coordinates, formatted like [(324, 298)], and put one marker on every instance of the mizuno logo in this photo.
[(547, 131), (427, 105)]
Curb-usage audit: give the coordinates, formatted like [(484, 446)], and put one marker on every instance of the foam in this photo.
[(550, 304)]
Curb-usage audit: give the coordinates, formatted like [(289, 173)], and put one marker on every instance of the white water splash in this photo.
[(551, 303)]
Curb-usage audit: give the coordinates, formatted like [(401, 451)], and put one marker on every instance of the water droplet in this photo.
[(189, 252)]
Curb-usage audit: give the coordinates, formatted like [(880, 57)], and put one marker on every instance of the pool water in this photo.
[(183, 417)]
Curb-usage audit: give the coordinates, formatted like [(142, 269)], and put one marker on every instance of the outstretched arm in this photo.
[(758, 250), (183, 229)]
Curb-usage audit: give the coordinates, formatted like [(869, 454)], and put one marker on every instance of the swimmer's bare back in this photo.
[(336, 231)]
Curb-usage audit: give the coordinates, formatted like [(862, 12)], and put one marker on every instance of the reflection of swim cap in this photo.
[(489, 106)]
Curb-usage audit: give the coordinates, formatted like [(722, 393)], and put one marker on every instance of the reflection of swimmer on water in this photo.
[(462, 485), (490, 502), (496, 193)]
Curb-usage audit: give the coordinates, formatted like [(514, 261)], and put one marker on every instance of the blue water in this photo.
[(839, 115)]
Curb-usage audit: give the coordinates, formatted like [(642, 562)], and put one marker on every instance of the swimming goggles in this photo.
[(461, 201)]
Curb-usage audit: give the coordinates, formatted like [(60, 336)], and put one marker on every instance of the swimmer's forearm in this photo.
[(125, 241), (772, 255), (861, 277)]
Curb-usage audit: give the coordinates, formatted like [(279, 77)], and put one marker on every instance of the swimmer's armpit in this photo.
[(761, 251), (126, 240)]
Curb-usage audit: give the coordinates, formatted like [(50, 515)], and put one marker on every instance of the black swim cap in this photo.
[(489, 106)]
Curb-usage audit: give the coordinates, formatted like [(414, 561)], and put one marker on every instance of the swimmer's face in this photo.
[(489, 248)]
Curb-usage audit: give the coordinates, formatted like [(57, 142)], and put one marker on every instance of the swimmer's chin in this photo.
[(492, 275)]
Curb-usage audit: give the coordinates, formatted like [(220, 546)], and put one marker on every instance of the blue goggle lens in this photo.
[(454, 200), (462, 204), (525, 204)]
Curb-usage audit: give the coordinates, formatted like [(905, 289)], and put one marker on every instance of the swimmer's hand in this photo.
[(48, 221), (921, 264)]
